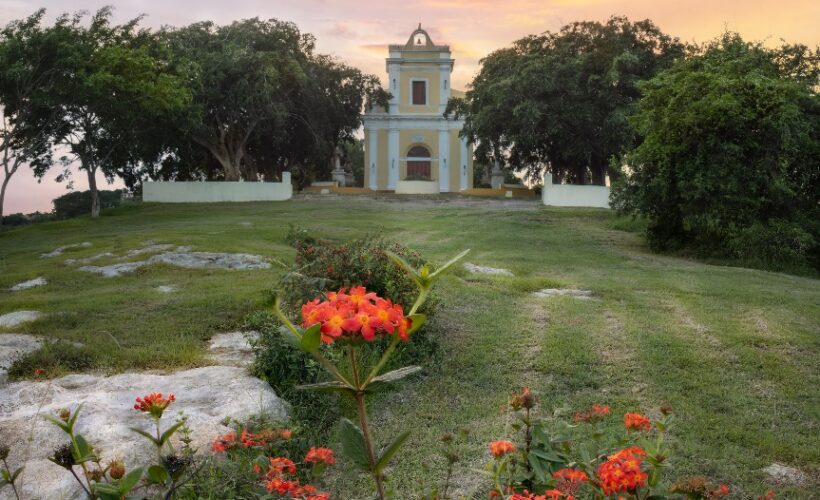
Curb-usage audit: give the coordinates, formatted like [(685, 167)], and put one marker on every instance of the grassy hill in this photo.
[(736, 352)]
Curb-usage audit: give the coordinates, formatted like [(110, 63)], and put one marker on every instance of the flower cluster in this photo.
[(154, 404), (622, 471), (355, 314), (247, 440), (320, 456), (637, 422), (523, 399), (593, 415), (569, 480), (501, 448), (278, 479), (699, 487)]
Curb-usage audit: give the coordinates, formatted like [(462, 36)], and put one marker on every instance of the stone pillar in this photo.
[(444, 158), (337, 175), (465, 163), (395, 88), (371, 163), (497, 176), (392, 157)]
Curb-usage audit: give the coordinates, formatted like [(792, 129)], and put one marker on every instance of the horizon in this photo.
[(359, 32)]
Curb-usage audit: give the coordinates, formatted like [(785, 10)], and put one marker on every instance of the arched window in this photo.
[(418, 162)]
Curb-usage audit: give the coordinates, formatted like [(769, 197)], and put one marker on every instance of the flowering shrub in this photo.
[(550, 463), (352, 319)]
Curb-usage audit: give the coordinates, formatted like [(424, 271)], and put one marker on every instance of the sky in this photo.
[(359, 31)]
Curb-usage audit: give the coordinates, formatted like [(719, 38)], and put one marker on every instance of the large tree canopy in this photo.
[(730, 161), (561, 101), (265, 102), (27, 78), (114, 95)]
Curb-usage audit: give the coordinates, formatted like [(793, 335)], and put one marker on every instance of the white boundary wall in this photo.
[(573, 195), (211, 192)]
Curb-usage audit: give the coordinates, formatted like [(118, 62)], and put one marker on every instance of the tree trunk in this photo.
[(3, 197), (578, 174), (95, 195)]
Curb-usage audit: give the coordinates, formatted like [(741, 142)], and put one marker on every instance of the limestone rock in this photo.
[(88, 260), (785, 474), (39, 281), (166, 288), (564, 292), (473, 268), (12, 346), (206, 396), (153, 248), (203, 260), (59, 251), (233, 348), (16, 318), (115, 269)]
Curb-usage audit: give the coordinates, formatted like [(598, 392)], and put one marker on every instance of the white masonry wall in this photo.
[(573, 195), (211, 192)]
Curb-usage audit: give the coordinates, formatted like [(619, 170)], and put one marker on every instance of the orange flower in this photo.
[(594, 415), (501, 448), (553, 494), (154, 404), (637, 422), (320, 455), (569, 480), (622, 471), (356, 314), (223, 443), (38, 372), (527, 496), (286, 434)]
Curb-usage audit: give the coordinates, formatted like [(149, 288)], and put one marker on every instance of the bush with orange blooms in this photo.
[(551, 461)]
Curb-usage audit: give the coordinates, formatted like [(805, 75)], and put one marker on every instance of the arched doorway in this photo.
[(418, 162)]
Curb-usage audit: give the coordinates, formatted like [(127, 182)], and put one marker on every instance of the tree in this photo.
[(27, 76), (729, 160), (247, 75), (265, 101), (114, 96), (561, 101)]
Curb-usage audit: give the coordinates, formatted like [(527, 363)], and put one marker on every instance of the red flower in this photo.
[(320, 455), (279, 465), (637, 422), (154, 404), (553, 494), (527, 496), (523, 399), (38, 372), (286, 434), (223, 443), (622, 471), (501, 448)]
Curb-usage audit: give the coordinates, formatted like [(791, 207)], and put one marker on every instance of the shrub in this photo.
[(54, 358), (78, 203)]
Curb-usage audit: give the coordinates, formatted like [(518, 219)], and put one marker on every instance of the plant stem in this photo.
[(11, 483), (159, 445), (87, 492), (368, 440)]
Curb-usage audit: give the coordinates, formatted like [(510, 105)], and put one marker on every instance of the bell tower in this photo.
[(419, 75)]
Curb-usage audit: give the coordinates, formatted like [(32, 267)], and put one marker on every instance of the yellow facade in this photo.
[(418, 70)]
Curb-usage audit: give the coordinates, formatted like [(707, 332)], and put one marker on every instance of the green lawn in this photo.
[(734, 351)]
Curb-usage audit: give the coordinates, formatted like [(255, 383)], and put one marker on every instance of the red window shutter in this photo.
[(419, 93)]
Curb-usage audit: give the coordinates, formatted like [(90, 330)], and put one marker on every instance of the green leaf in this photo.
[(353, 445), (416, 322), (106, 490), (546, 455), (73, 419), (15, 474), (82, 451), (441, 270), (324, 386), (422, 283), (170, 432), (147, 435), (312, 338), (157, 474), (392, 376), (391, 450), (59, 423), (537, 467), (130, 480)]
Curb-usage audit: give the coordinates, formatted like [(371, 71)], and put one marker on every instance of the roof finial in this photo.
[(419, 26)]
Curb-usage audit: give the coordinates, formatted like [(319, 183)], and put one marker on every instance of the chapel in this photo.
[(411, 139)]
